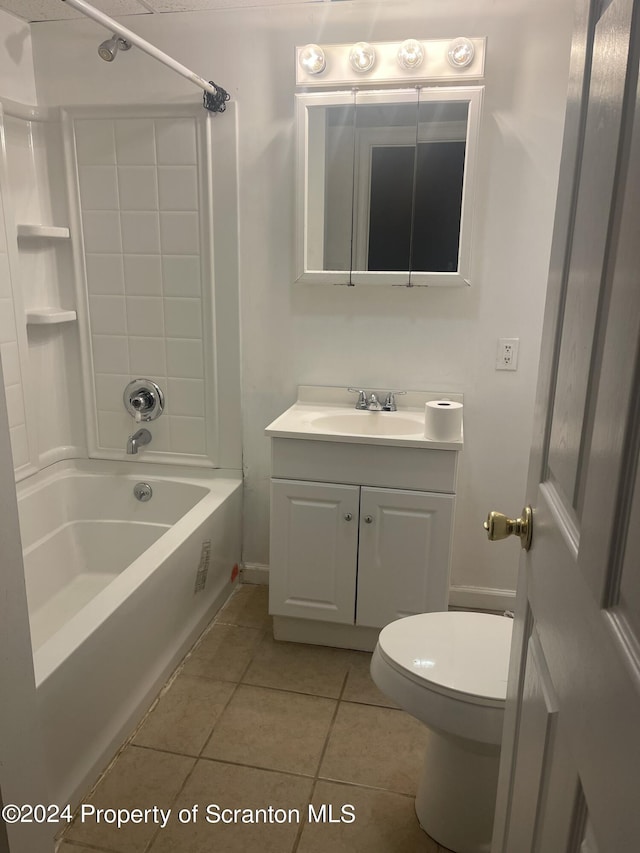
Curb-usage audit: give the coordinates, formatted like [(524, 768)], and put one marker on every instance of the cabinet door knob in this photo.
[(368, 519), (348, 516)]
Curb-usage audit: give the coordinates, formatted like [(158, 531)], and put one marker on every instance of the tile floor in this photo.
[(247, 723)]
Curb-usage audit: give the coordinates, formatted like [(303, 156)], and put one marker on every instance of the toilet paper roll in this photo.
[(443, 420)]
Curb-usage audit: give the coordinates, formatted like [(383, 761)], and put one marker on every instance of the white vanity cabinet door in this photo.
[(404, 554), (314, 543)]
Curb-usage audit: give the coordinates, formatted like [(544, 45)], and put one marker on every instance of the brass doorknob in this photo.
[(498, 526)]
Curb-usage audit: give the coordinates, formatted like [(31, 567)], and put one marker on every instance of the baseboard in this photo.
[(481, 598), (256, 573)]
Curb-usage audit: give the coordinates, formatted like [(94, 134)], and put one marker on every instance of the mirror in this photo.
[(385, 186)]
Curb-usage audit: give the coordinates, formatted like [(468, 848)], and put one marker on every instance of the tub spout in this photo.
[(138, 439)]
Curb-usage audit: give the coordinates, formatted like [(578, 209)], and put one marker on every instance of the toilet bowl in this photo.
[(449, 670)]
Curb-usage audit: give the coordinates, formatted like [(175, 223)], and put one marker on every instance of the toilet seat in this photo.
[(445, 689), (463, 655)]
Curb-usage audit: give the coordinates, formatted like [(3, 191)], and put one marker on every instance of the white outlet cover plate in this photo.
[(507, 354)]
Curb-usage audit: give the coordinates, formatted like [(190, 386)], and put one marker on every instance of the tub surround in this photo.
[(107, 272), (144, 189), (108, 225)]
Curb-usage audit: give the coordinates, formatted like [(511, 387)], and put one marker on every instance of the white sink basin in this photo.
[(324, 413), (366, 423)]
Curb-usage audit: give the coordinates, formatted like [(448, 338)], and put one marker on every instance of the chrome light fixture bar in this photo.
[(375, 63)]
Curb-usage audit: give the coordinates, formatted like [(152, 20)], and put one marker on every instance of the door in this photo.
[(570, 765), (404, 554), (314, 544)]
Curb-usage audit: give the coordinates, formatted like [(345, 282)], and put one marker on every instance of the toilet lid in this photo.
[(464, 652)]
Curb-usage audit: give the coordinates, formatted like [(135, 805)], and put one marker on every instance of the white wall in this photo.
[(17, 80), (419, 339)]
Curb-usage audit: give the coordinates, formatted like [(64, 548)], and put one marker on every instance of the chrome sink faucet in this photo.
[(372, 404), (138, 439)]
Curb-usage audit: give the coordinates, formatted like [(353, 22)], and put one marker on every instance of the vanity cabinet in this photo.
[(362, 509), (358, 555)]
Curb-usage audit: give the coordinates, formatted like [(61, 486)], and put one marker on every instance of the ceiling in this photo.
[(57, 10)]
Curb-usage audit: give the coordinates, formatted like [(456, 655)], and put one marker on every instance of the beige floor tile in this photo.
[(272, 729), (248, 606), (223, 653), (380, 747), (384, 823), (140, 778), (232, 787), (185, 715), (75, 848), (360, 686), (317, 670)]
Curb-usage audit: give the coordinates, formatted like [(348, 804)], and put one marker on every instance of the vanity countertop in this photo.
[(323, 413)]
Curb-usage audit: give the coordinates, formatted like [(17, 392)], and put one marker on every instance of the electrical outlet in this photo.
[(507, 354)]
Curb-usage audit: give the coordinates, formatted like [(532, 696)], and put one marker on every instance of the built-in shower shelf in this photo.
[(49, 232), (49, 316)]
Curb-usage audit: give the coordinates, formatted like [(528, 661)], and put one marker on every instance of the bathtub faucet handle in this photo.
[(144, 400)]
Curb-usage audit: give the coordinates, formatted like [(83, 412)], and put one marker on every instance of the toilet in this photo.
[(449, 670)]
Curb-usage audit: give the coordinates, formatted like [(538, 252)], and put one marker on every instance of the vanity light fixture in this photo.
[(461, 52), (410, 54), (362, 57), (409, 61), (312, 59)]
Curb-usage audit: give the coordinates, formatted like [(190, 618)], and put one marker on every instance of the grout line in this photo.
[(366, 787), (85, 845), (230, 763), (286, 690), (158, 830), (320, 760), (198, 758), (331, 725), (235, 689)]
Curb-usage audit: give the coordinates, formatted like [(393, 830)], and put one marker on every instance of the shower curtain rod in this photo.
[(214, 97)]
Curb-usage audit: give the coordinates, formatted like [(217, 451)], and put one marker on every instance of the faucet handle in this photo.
[(362, 397), (143, 399), (389, 404)]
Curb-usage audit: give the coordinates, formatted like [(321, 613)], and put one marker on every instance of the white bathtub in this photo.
[(116, 595)]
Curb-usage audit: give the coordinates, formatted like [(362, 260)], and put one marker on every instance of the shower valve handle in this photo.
[(144, 400)]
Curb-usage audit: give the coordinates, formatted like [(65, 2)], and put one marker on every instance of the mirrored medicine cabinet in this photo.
[(385, 185)]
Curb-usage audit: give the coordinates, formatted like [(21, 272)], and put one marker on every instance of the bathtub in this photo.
[(118, 590)]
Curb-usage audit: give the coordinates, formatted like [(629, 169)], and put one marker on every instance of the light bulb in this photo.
[(461, 52), (362, 56), (410, 54), (312, 59)]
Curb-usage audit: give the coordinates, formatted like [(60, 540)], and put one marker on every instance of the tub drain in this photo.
[(142, 491)]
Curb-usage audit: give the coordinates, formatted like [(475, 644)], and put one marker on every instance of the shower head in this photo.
[(108, 49)]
